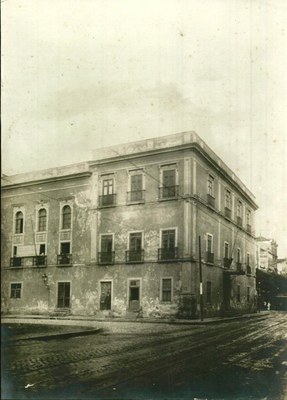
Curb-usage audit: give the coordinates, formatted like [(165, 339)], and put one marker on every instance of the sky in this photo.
[(83, 74)]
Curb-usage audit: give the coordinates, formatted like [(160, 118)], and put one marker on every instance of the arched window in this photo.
[(19, 222), (66, 217), (42, 220)]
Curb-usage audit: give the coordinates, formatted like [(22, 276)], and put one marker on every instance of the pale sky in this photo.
[(83, 74)]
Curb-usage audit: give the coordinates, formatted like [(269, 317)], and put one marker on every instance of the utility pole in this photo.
[(200, 280)]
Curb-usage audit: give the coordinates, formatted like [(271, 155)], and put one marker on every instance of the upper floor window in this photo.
[(66, 217), (168, 250), (226, 250), (42, 220), (238, 256), (106, 253), (209, 248), (19, 222), (135, 251), (228, 200), (239, 209), (210, 185), (136, 187), (247, 259), (248, 217), (169, 187), (108, 193)]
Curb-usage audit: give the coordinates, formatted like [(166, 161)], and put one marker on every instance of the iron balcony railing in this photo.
[(105, 258), (168, 192), (209, 257), (248, 269), (135, 256), (64, 259), (168, 253), (107, 200), (40, 261), (227, 212), (210, 200), (248, 228), (16, 261), (239, 267), (239, 221), (227, 262), (136, 196)]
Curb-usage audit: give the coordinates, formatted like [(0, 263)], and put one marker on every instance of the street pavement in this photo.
[(236, 359)]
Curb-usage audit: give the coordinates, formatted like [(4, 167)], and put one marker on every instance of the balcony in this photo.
[(227, 212), (64, 259), (248, 270), (168, 192), (40, 261), (135, 256), (209, 257), (136, 196), (239, 268), (106, 258), (210, 200), (227, 262), (168, 254), (16, 261), (248, 228), (107, 200), (239, 221)]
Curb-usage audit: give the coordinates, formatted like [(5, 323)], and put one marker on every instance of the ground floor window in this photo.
[(105, 299), (16, 289), (238, 294), (63, 294), (166, 289), (248, 294), (208, 292)]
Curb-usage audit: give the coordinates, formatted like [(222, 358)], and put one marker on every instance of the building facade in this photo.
[(267, 254), (119, 235)]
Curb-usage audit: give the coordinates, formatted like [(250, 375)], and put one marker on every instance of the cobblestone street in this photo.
[(234, 359)]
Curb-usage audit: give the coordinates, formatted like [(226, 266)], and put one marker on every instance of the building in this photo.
[(119, 235), (267, 254), (282, 266)]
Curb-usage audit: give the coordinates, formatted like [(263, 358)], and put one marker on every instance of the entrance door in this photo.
[(105, 299), (63, 294), (134, 295)]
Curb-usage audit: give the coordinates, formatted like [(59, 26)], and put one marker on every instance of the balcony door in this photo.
[(168, 180), (136, 187)]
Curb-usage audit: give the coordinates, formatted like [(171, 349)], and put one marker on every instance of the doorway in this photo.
[(105, 299), (134, 294), (63, 294)]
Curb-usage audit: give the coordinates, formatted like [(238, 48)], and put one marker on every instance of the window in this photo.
[(65, 257), (247, 259), (168, 250), (42, 220), (66, 217), (19, 222), (226, 250), (169, 188), (106, 254), (248, 294), (108, 195), (248, 217), (16, 289), (135, 252), (210, 185), (239, 209), (238, 294), (228, 202), (209, 248), (238, 256), (208, 292), (136, 193), (166, 285)]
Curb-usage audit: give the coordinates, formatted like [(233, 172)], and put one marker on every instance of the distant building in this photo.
[(282, 266), (267, 254), (119, 236)]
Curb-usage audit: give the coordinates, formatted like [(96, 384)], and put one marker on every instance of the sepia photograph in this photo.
[(144, 199)]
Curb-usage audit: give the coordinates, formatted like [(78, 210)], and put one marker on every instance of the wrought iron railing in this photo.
[(248, 269), (239, 267), (16, 261), (209, 257), (136, 196), (107, 200), (40, 261), (227, 262), (64, 259), (106, 257), (135, 256), (167, 253), (210, 200), (168, 192)]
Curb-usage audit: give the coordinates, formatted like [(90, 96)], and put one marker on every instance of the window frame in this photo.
[(11, 291), (210, 188), (228, 199), (238, 260), (239, 208), (228, 246), (162, 186), (106, 234), (38, 220), (16, 221), (212, 243), (171, 289), (169, 229), (62, 217)]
